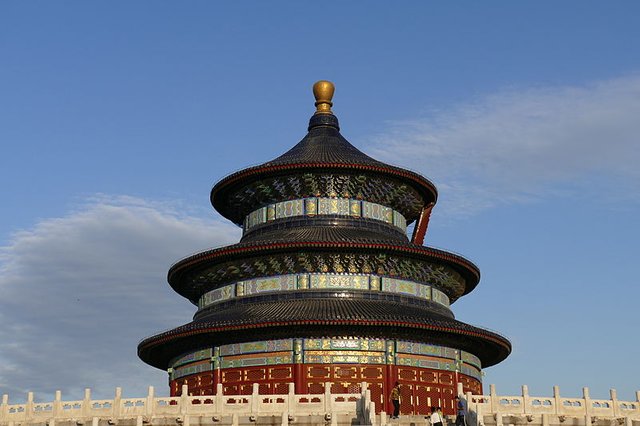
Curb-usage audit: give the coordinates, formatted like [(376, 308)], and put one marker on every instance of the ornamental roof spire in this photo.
[(323, 91)]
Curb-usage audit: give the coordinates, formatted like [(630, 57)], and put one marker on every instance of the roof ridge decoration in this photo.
[(323, 91)]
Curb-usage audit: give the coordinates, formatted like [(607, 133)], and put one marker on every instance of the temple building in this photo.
[(326, 285)]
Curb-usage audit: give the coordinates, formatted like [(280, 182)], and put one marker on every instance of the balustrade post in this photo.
[(493, 399), (526, 400), (57, 408), (479, 413), (363, 402), (255, 398), (86, 403), (117, 403), (614, 402), (556, 400), (638, 396), (150, 406), (459, 389), (328, 401), (219, 398), (184, 400), (545, 419), (291, 399), (4, 408), (588, 406), (29, 408)]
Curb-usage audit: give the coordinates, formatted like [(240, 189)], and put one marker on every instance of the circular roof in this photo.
[(322, 150), (314, 240), (355, 315)]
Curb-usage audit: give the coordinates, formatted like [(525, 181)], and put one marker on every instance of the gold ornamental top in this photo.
[(323, 92)]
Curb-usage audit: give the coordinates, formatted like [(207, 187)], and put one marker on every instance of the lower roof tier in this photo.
[(196, 275), (354, 314)]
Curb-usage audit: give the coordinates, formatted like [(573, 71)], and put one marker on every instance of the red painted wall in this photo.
[(420, 388)]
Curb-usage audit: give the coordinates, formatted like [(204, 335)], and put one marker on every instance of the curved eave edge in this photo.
[(223, 185), (149, 344), (468, 270)]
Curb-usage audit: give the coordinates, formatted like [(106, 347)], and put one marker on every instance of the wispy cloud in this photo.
[(520, 145), (80, 291)]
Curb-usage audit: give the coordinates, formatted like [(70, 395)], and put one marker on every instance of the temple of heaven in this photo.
[(326, 285)]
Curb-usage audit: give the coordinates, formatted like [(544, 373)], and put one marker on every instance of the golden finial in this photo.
[(323, 92)]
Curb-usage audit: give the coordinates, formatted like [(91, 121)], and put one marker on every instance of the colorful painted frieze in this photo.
[(217, 295), (291, 282), (289, 208), (251, 361), (325, 206), (440, 297), (191, 357), (471, 371), (311, 206), (344, 344), (343, 357), (470, 359), (277, 283), (190, 369), (256, 347)]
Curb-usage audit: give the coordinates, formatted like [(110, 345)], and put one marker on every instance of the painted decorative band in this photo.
[(323, 281), (327, 351), (325, 206)]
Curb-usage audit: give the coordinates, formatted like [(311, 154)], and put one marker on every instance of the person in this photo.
[(461, 411), (395, 400), (436, 417)]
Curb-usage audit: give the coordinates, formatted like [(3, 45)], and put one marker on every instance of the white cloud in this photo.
[(519, 145), (79, 292)]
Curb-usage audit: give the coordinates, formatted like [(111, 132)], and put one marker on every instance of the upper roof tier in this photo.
[(322, 164)]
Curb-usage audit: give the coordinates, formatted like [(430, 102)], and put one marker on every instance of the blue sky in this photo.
[(116, 118)]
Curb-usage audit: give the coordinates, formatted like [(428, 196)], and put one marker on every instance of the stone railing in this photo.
[(525, 409), (312, 409), (220, 409)]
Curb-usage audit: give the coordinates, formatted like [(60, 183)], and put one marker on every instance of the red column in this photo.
[(217, 378), (298, 366), (298, 377), (390, 378), (216, 373), (420, 228)]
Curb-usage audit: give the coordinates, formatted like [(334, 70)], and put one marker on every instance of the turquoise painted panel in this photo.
[(440, 297), (257, 347), (192, 357), (191, 369), (471, 359), (325, 206), (322, 281)]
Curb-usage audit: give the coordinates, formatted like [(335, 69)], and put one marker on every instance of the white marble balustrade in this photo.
[(179, 410), (500, 410)]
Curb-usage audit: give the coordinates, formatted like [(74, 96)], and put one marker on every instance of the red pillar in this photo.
[(390, 378), (217, 378), (420, 229), (298, 377)]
